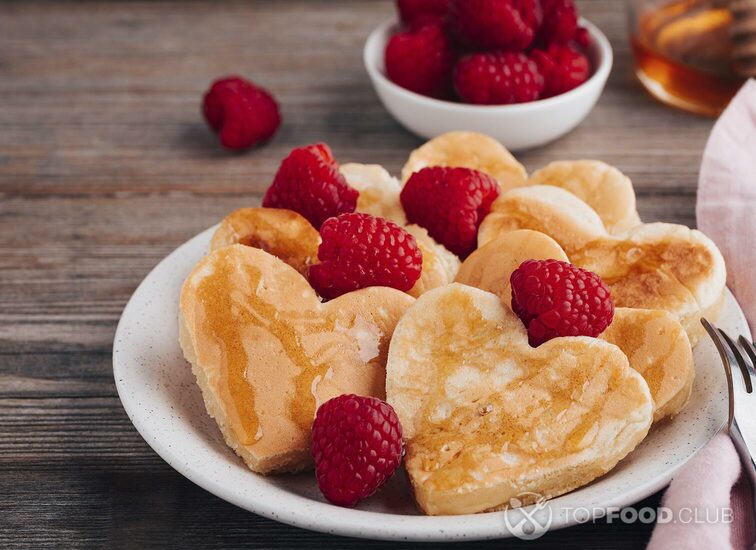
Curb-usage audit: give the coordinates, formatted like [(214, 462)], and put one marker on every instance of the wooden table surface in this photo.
[(106, 166)]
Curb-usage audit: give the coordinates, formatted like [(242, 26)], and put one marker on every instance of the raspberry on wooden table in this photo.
[(360, 250), (555, 298), (309, 182), (498, 79), (421, 60), (495, 24), (450, 203), (563, 68), (241, 113), (357, 446), (416, 13)]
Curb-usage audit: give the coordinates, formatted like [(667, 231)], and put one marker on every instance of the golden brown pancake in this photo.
[(654, 342), (658, 347), (379, 191), (490, 266), (283, 233), (266, 352), (604, 188), (487, 418), (651, 266), (439, 265), (468, 150), (291, 238)]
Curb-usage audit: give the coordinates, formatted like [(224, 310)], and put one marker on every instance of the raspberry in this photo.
[(240, 112), (416, 13), (563, 68), (357, 446), (359, 250), (450, 203), (555, 298), (497, 78), (421, 60), (309, 182), (496, 24), (559, 24), (583, 37)]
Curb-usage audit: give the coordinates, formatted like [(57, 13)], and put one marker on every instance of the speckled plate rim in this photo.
[(152, 383)]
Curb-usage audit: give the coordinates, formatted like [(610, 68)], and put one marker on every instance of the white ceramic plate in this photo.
[(159, 393)]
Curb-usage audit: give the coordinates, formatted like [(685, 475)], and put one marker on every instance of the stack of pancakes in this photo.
[(485, 416)]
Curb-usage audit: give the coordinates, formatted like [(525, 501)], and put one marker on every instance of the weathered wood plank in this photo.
[(142, 506)]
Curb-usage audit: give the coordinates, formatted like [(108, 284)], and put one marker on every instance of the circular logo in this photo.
[(531, 522)]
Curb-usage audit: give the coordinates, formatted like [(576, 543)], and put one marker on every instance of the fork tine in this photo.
[(720, 345), (740, 360), (747, 345)]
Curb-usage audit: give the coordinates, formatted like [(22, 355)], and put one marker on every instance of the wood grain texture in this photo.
[(106, 166)]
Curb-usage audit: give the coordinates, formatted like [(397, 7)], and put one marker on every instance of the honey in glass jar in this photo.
[(683, 52)]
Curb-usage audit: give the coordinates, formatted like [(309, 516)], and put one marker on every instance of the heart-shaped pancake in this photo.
[(283, 233), (468, 150), (379, 191), (658, 347), (291, 238), (603, 187), (266, 352), (655, 343), (487, 418), (651, 266), (439, 265)]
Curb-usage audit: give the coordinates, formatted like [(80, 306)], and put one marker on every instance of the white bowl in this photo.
[(519, 126)]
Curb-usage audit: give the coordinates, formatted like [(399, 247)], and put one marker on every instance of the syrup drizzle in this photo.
[(225, 312), (452, 450), (281, 233), (285, 325), (646, 275)]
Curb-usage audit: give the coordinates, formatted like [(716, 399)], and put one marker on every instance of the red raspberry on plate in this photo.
[(359, 250), (309, 182), (559, 24), (240, 112), (421, 60), (416, 13), (495, 24), (450, 203), (497, 79), (357, 446), (563, 68), (555, 298)]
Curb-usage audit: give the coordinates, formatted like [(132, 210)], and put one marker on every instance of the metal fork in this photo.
[(741, 418)]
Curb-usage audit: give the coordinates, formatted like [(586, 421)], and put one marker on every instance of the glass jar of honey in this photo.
[(683, 52)]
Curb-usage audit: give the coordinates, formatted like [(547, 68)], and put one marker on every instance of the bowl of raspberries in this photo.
[(523, 71)]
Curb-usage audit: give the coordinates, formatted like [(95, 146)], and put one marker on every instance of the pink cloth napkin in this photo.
[(726, 212)]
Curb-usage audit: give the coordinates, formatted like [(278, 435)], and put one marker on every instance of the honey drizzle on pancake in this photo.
[(223, 312), (450, 456), (646, 329), (653, 340), (635, 272), (219, 319), (281, 233), (284, 250)]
